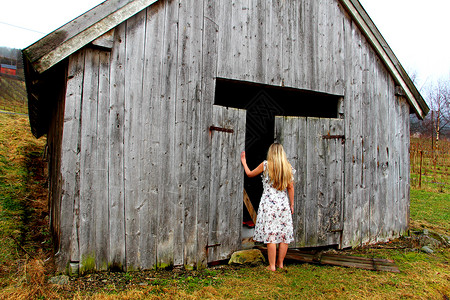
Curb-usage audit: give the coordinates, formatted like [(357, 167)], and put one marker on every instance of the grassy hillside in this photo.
[(25, 239), (13, 96)]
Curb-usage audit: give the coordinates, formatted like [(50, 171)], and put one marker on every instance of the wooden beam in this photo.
[(317, 257), (74, 39), (249, 206), (105, 42)]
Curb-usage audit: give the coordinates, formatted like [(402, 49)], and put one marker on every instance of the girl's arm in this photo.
[(259, 169), (290, 189)]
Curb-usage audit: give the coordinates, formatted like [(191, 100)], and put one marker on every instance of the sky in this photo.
[(416, 30)]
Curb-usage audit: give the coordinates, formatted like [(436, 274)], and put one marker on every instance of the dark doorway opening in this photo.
[(263, 103)]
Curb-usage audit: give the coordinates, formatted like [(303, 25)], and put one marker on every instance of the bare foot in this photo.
[(270, 269), (280, 266)]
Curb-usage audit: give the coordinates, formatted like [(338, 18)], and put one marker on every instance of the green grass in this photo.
[(13, 95), (430, 210), (18, 153)]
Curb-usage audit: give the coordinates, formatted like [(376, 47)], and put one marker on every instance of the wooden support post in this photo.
[(420, 169), (249, 206)]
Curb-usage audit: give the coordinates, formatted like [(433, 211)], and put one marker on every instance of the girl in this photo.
[(274, 220)]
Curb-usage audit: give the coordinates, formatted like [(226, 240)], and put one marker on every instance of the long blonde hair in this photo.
[(278, 167)]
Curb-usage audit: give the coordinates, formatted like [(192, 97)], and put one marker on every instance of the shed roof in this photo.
[(6, 66), (71, 37)]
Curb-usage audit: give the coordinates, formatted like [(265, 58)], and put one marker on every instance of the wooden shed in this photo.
[(147, 105)]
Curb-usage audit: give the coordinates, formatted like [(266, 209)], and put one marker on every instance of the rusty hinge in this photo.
[(334, 137), (210, 246), (228, 130)]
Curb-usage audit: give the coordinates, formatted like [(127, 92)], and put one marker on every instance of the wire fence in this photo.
[(430, 164)]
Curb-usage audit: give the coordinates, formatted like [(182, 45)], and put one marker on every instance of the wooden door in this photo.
[(227, 182), (315, 148)]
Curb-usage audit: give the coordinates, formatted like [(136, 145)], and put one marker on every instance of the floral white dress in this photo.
[(274, 219)]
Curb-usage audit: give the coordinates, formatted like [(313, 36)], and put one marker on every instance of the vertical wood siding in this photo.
[(137, 159), (319, 164), (226, 192)]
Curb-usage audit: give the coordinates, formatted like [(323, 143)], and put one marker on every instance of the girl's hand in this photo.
[(243, 159), (292, 210)]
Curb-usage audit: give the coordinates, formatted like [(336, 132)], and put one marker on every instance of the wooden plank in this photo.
[(168, 194), (225, 54), (95, 28), (309, 35), (106, 41), (322, 156), (54, 142), (69, 30), (406, 165), (289, 39), (183, 77), (256, 28), (223, 184), (366, 137), (209, 68), (301, 184), (314, 257), (187, 140), (396, 145), (88, 156), (313, 45), (102, 167), (390, 163), (249, 206), (236, 189), (325, 181), (226, 190), (349, 226), (239, 40), (336, 176), (354, 136), (116, 195), (152, 117), (273, 47), (216, 168), (301, 66), (136, 206), (321, 49), (311, 217), (69, 247), (340, 29), (373, 185), (383, 161), (356, 133)]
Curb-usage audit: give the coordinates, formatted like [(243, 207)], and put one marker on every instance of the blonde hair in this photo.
[(278, 167)]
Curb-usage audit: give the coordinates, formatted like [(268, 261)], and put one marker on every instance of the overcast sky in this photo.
[(416, 30)]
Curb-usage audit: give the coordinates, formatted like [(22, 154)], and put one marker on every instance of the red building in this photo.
[(8, 69)]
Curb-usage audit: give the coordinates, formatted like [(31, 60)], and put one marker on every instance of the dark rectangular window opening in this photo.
[(263, 103)]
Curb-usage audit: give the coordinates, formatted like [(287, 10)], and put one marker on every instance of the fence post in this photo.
[(420, 169)]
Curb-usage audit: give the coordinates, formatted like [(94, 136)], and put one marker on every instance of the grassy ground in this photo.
[(13, 95), (25, 245)]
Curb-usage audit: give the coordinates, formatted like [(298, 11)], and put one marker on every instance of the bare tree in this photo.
[(438, 100)]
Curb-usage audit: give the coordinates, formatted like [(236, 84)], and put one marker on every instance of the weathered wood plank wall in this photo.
[(319, 178), (56, 87), (136, 162), (226, 191)]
